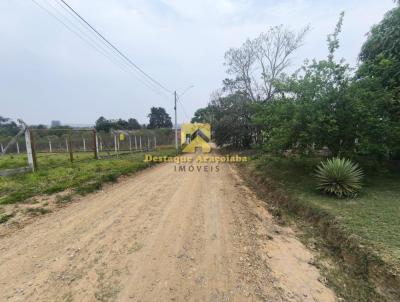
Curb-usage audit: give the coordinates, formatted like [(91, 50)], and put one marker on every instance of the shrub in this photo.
[(340, 177)]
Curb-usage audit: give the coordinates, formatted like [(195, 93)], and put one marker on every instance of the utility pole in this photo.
[(176, 125), (176, 116)]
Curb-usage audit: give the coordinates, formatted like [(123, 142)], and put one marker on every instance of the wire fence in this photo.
[(47, 148), (122, 141), (17, 148)]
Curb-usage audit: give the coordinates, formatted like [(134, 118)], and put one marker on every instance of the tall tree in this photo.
[(133, 124), (203, 115), (378, 82), (315, 109), (159, 118), (268, 54), (103, 124), (231, 120), (380, 55)]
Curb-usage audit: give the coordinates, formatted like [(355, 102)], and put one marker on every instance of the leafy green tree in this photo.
[(378, 82), (120, 124), (314, 110), (324, 105), (133, 124), (232, 123), (8, 127), (377, 134), (203, 115), (159, 118), (103, 124)]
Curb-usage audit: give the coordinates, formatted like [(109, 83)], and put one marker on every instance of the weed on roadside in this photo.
[(61, 199), (5, 218), (88, 188), (37, 211)]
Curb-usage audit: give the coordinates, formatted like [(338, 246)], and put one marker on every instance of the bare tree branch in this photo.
[(270, 52)]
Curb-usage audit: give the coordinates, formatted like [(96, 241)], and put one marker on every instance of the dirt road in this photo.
[(160, 235)]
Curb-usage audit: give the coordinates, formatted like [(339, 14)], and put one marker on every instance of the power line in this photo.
[(116, 49), (94, 45), (77, 31), (108, 48), (183, 108), (150, 84)]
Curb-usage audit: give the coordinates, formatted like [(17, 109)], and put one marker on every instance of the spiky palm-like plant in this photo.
[(339, 176)]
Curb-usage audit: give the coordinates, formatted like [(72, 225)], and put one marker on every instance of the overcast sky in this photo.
[(48, 73)]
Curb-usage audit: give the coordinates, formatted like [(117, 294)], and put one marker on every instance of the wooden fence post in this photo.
[(116, 144), (95, 145), (30, 149), (33, 149), (135, 143), (130, 143), (140, 142), (155, 142), (71, 154), (17, 147)]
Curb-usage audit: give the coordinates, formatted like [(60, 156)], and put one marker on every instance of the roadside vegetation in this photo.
[(83, 176), (327, 109), (361, 234), (373, 216)]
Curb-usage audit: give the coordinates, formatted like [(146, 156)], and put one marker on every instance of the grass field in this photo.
[(46, 160), (12, 161), (56, 173), (361, 234), (374, 216)]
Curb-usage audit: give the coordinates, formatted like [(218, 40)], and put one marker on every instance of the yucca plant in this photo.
[(340, 177)]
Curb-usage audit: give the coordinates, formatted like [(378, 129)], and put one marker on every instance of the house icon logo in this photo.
[(195, 136)]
